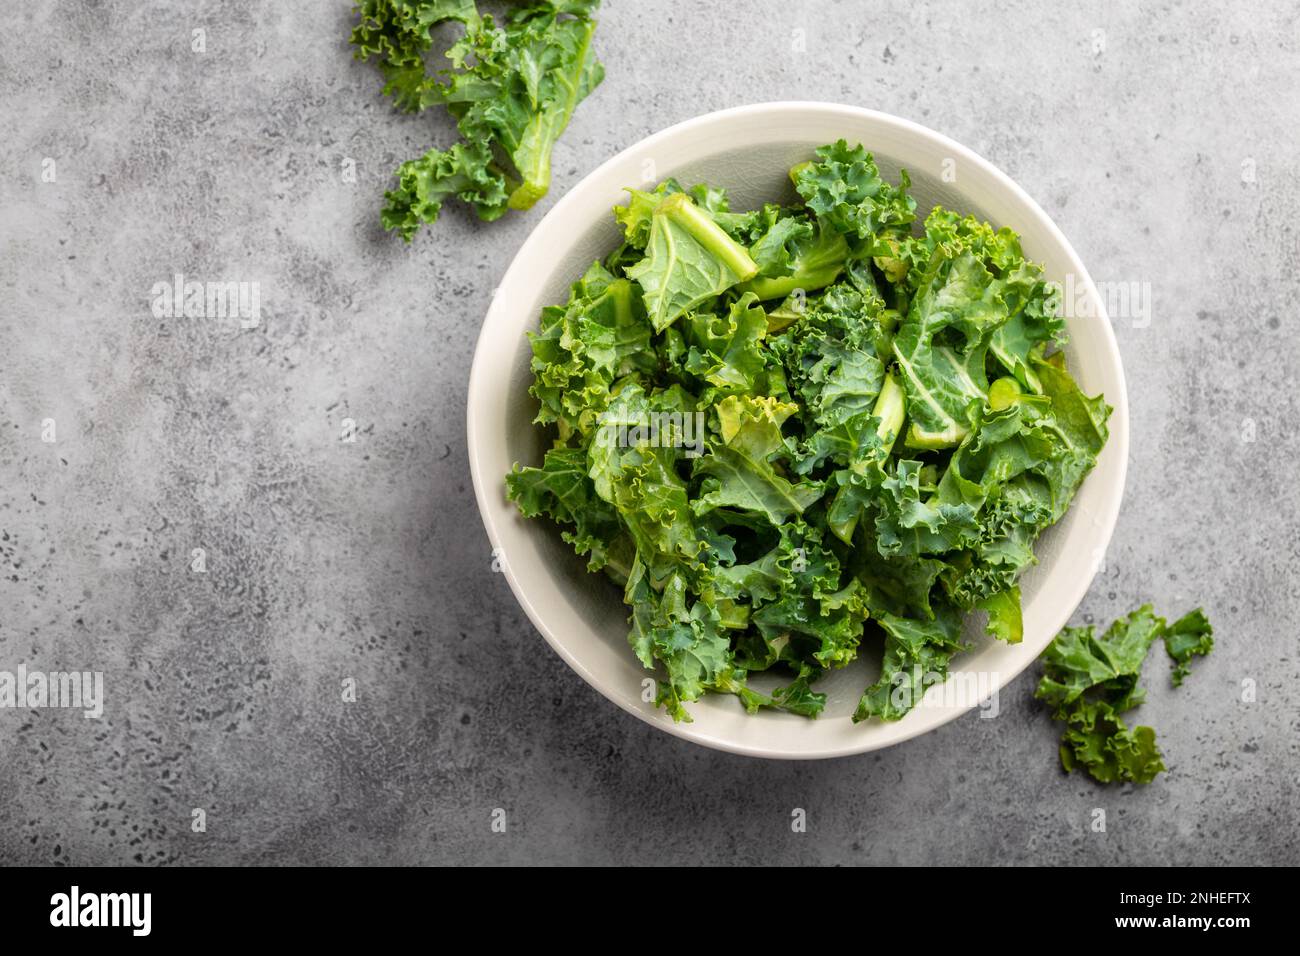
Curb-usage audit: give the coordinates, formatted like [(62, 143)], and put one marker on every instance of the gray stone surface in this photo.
[(1136, 126)]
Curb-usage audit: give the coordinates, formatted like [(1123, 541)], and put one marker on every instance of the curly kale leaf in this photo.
[(562, 490), (917, 653), (796, 255), (689, 258), (727, 351), (1089, 681), (941, 347), (1190, 635), (739, 471), (512, 89), (843, 186), (396, 34), (517, 87), (466, 172), (581, 348)]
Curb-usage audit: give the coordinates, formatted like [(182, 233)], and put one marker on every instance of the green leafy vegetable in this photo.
[(511, 88), (1089, 681), (790, 431), (689, 259), (844, 187), (1190, 635)]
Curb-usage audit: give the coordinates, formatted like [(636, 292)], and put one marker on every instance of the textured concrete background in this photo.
[(1163, 138)]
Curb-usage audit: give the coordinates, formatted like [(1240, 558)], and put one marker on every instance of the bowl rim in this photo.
[(483, 367)]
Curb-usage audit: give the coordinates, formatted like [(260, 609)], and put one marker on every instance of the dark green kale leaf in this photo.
[(843, 186), (917, 653), (512, 89), (1090, 681), (1190, 635)]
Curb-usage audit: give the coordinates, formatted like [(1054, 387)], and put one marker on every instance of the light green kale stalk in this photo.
[(789, 431), (1089, 681), (511, 87)]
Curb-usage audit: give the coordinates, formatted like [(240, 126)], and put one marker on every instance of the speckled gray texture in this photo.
[(1138, 127)]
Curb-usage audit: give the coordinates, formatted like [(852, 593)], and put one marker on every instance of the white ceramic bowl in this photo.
[(748, 151)]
